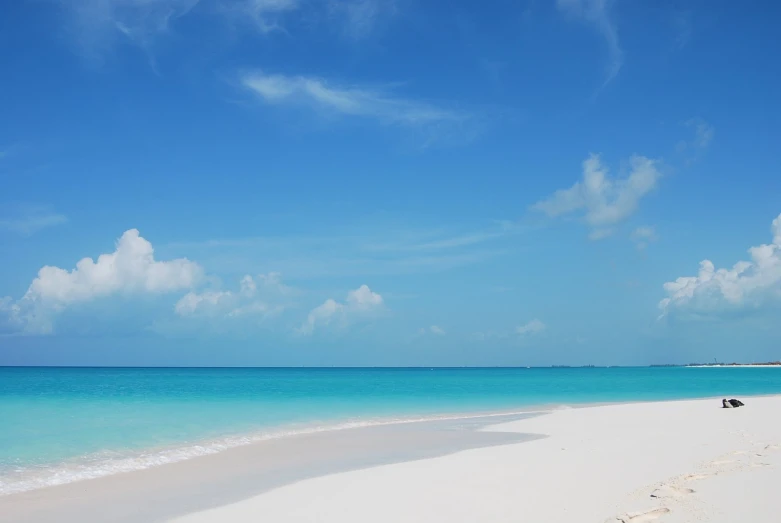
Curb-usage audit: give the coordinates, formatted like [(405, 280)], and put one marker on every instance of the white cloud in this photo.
[(99, 23), (262, 296), (682, 22), (28, 220), (642, 236), (703, 134), (194, 301), (747, 286), (130, 269), (597, 13), (361, 303), (264, 15), (350, 101), (360, 17), (604, 202), (533, 327), (433, 329)]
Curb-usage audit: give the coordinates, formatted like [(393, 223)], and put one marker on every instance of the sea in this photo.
[(59, 425)]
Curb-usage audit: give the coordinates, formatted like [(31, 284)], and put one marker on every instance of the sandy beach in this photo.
[(676, 461), (672, 462)]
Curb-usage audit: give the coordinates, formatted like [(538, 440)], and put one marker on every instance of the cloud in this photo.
[(361, 303), (368, 249), (597, 14), (98, 24), (603, 202), (262, 296), (747, 287), (683, 26), (533, 327), (642, 236), (27, 220), (348, 101), (439, 331), (433, 329), (359, 18), (703, 134), (130, 269), (264, 15)]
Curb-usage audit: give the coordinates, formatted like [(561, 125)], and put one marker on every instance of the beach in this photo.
[(669, 461), (672, 461)]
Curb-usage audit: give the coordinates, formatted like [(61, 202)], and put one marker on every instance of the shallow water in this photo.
[(63, 424)]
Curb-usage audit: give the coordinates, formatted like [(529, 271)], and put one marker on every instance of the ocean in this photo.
[(59, 425)]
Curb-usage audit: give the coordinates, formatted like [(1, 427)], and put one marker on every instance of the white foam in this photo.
[(109, 462)]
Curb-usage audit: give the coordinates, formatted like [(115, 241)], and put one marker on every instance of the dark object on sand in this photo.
[(731, 404)]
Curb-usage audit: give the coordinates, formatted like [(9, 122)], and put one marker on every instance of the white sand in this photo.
[(671, 462)]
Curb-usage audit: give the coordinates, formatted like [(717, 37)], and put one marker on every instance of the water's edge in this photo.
[(98, 465)]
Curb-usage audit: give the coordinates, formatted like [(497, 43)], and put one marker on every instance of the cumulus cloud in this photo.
[(361, 303), (642, 236), (533, 327), (261, 296), (130, 269), (597, 14), (748, 286), (349, 101), (604, 202)]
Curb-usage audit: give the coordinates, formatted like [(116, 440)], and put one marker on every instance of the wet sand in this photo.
[(163, 492)]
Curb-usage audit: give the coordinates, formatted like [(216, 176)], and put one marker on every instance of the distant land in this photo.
[(765, 364), (734, 364)]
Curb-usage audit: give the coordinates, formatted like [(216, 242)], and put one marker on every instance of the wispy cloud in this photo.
[(535, 326), (354, 252), (597, 14), (27, 220), (435, 330), (642, 236), (702, 134), (347, 100), (604, 202), (359, 18), (98, 24), (263, 15), (683, 27)]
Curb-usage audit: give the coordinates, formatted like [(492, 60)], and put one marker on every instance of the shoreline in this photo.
[(166, 491), (69, 472), (196, 487), (145, 459), (676, 462), (73, 472)]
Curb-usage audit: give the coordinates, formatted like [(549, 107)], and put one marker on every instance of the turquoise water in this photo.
[(63, 424)]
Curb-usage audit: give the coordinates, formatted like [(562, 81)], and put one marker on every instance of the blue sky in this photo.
[(387, 182)]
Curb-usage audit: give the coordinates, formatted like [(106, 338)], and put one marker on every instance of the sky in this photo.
[(389, 182)]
